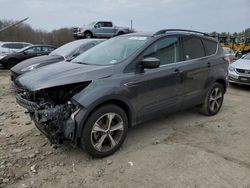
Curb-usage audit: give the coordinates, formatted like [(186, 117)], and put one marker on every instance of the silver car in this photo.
[(239, 71)]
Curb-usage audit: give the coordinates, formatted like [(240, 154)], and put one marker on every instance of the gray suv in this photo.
[(94, 99), (100, 29)]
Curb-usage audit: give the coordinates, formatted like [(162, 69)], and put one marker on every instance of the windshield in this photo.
[(67, 49), (112, 51), (247, 56)]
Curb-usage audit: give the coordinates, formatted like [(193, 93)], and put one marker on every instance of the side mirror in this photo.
[(150, 63), (96, 26), (25, 53)]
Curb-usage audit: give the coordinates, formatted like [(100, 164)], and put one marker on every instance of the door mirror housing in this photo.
[(150, 63)]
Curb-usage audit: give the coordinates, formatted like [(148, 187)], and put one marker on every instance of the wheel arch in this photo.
[(88, 31), (223, 83), (119, 102)]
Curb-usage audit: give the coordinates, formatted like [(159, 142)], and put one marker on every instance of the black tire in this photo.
[(11, 63), (120, 33), (90, 134), (210, 107), (88, 35)]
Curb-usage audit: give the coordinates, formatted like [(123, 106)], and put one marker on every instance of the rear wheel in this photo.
[(213, 100), (11, 63), (104, 131), (120, 33)]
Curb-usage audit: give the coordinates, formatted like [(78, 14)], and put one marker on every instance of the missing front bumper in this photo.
[(57, 122)]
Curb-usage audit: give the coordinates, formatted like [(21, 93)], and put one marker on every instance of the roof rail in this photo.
[(164, 31)]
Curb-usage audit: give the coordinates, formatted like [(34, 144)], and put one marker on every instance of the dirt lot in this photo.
[(183, 150)]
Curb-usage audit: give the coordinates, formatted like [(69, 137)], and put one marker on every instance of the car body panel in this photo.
[(62, 73), (241, 72), (143, 93)]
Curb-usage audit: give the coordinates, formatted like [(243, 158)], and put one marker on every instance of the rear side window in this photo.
[(210, 46), (107, 24), (192, 48), (13, 45)]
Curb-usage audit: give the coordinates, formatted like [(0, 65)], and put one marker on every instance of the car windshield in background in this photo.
[(247, 57), (112, 51), (67, 49)]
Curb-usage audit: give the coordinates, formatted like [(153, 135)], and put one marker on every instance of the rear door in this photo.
[(195, 69), (109, 30)]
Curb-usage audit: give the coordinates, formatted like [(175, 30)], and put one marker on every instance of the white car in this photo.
[(239, 71), (229, 54), (7, 47)]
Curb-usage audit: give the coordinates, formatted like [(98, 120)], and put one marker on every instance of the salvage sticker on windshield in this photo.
[(138, 38)]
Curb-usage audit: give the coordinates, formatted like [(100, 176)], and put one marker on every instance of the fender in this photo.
[(91, 97)]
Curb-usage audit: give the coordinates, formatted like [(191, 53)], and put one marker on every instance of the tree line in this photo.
[(25, 33)]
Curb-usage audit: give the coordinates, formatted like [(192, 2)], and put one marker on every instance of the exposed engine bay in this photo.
[(52, 110)]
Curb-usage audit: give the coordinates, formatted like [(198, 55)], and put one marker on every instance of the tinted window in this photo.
[(47, 49), (210, 46), (13, 45), (107, 24), (33, 50), (164, 49), (192, 48), (100, 24)]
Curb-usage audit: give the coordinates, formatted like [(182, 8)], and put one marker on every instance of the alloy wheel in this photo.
[(107, 132), (215, 99)]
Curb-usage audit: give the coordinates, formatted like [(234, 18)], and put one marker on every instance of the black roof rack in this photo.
[(164, 31)]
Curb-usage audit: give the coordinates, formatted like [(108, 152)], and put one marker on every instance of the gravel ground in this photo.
[(185, 149)]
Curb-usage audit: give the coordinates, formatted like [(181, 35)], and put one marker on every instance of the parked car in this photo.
[(230, 54), (124, 81), (11, 59), (101, 29), (239, 71), (7, 47), (66, 52)]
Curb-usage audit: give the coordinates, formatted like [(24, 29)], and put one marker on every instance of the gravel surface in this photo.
[(185, 149)]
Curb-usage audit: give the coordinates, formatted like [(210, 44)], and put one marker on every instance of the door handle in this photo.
[(177, 71)]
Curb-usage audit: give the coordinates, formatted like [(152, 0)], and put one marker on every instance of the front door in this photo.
[(157, 90)]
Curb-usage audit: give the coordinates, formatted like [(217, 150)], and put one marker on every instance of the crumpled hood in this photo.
[(241, 64), (42, 60), (62, 73)]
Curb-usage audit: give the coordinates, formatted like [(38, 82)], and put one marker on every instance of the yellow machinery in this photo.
[(234, 43)]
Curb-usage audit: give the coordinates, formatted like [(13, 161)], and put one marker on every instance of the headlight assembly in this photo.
[(231, 68)]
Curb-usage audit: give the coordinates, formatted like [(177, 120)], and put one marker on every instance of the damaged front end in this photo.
[(52, 110)]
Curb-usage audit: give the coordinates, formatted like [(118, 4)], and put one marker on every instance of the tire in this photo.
[(88, 35), (213, 100), (120, 33), (11, 63), (100, 140)]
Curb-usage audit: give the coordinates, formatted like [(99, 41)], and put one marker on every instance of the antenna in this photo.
[(14, 24)]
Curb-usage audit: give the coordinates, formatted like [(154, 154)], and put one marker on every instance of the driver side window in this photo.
[(166, 50), (33, 50), (99, 24)]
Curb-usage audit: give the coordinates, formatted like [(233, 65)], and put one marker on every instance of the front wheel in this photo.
[(213, 100), (88, 35), (104, 131), (11, 63)]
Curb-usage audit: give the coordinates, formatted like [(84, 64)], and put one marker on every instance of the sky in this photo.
[(147, 15)]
